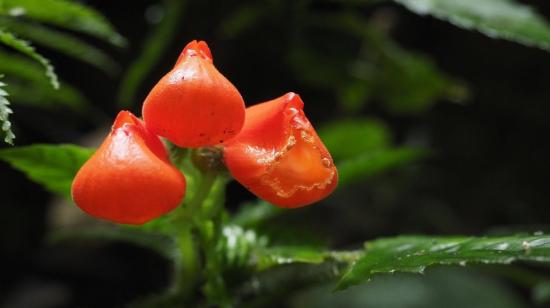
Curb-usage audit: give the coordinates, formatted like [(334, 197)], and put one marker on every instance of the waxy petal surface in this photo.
[(129, 179), (194, 105), (279, 157)]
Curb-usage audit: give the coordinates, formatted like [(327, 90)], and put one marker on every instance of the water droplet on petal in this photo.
[(326, 162)]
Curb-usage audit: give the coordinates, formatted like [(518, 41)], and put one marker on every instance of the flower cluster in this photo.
[(271, 148)]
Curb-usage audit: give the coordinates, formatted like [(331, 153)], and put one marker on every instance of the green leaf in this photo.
[(376, 162), (153, 48), (15, 65), (160, 243), (64, 13), (5, 112), (37, 95), (53, 166), (32, 88), (406, 82), (410, 83), (378, 70), (24, 47), (504, 19), (349, 138), (355, 94), (65, 43), (415, 253)]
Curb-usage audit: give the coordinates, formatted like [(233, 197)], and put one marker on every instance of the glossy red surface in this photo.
[(279, 157), (129, 179), (194, 105)]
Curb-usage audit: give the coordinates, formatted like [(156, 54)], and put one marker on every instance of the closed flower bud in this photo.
[(129, 179), (279, 157), (194, 105)]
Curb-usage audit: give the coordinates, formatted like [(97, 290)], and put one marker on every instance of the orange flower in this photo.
[(278, 155), (194, 105), (129, 179), (271, 148)]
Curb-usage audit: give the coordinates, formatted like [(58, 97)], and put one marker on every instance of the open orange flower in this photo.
[(194, 105), (129, 179), (279, 157)]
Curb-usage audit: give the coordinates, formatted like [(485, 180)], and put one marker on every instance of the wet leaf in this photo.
[(414, 254)]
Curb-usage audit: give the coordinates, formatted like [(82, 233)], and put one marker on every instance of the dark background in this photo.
[(488, 170)]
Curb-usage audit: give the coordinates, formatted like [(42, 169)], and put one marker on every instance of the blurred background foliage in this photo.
[(435, 130)]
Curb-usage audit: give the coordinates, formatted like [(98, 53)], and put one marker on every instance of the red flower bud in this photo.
[(129, 179), (279, 157), (194, 105)]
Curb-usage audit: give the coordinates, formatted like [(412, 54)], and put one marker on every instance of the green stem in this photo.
[(209, 225), (201, 221), (186, 278), (202, 192)]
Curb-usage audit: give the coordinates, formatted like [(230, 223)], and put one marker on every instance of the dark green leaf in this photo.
[(53, 166), (415, 253), (37, 95), (504, 19), (349, 138), (62, 42), (376, 162), (153, 48), (355, 94), (64, 13), (15, 65), (24, 47), (5, 112), (32, 88), (411, 83), (378, 69), (405, 81)]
